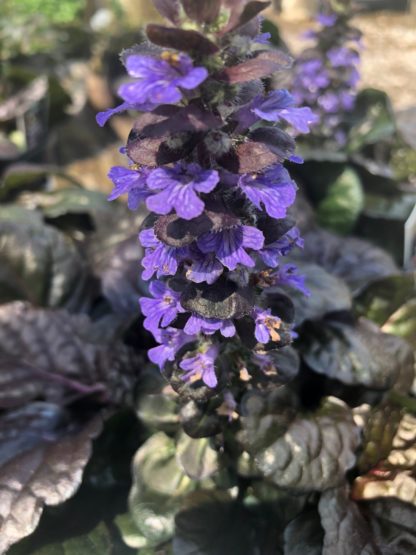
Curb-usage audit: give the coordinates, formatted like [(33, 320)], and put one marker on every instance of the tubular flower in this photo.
[(207, 159), (326, 73)]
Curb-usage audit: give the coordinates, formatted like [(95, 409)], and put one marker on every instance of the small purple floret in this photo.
[(201, 366), (198, 324), (267, 325), (178, 187), (162, 309), (159, 258), (171, 340), (131, 182)]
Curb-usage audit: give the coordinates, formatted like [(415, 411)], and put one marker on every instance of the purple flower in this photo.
[(201, 366), (272, 252), (326, 20), (162, 309), (130, 181), (159, 258), (159, 80), (274, 189), (103, 117), (287, 275), (263, 38), (178, 187), (198, 324), (229, 245), (266, 325), (204, 268), (343, 57), (277, 106), (171, 341), (312, 75)]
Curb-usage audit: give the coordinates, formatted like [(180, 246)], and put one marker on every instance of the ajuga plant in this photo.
[(326, 73), (206, 157)]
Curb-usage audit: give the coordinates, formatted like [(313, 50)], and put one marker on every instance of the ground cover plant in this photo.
[(205, 370)]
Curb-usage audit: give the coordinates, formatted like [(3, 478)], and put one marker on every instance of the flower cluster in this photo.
[(326, 74), (206, 157)]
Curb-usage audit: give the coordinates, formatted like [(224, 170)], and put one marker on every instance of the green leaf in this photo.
[(40, 264), (315, 452), (211, 523), (343, 203), (96, 542), (403, 322), (359, 355), (129, 531), (382, 298), (372, 119), (196, 456)]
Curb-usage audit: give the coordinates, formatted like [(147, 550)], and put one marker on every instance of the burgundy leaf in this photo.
[(180, 39), (41, 463), (250, 11), (190, 118), (254, 157), (263, 65), (169, 9), (202, 11), (277, 141)]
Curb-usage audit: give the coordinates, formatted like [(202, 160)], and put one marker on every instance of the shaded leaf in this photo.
[(249, 157), (346, 531), (277, 141), (392, 523), (205, 11), (41, 464), (355, 261), (60, 349), (41, 265), (303, 535), (197, 457), (212, 524), (373, 119), (168, 8), (343, 203), (328, 294), (315, 453), (359, 355), (198, 420), (382, 298), (180, 39), (96, 542), (250, 11)]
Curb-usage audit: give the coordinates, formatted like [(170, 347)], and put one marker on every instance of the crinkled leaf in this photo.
[(346, 530), (61, 349), (315, 452), (355, 261), (263, 65), (304, 535), (41, 265), (393, 527), (42, 461), (373, 119), (202, 11), (359, 355), (177, 232), (180, 39), (96, 542), (265, 416), (221, 300), (343, 203), (328, 294), (197, 457), (211, 523), (382, 298)]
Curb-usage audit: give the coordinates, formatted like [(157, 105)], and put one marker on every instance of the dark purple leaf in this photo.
[(250, 11), (304, 535), (345, 527), (315, 452), (392, 523), (169, 9), (278, 142), (359, 355), (202, 11), (198, 421), (261, 66), (221, 300), (177, 232), (62, 349), (41, 463), (180, 39), (248, 157), (191, 118)]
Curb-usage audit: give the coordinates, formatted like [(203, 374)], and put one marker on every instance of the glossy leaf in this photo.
[(315, 452), (180, 39)]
